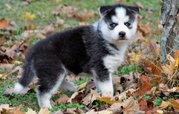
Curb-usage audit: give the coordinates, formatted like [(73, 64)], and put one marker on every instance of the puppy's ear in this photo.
[(134, 9), (104, 10)]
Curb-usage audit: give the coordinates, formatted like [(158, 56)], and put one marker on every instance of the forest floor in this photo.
[(142, 84)]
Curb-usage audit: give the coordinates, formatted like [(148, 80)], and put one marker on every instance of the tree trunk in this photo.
[(170, 34)]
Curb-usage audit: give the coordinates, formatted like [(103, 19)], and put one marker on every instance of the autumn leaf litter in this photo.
[(135, 93)]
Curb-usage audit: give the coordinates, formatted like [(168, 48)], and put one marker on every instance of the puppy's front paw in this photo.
[(108, 94)]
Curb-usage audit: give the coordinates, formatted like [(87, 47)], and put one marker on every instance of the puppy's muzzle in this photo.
[(122, 36)]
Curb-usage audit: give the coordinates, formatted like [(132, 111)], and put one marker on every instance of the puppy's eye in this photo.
[(127, 24), (113, 25)]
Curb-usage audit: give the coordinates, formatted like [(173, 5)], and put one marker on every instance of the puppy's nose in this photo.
[(122, 34)]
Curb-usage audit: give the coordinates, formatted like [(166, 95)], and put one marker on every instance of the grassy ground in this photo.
[(13, 10)]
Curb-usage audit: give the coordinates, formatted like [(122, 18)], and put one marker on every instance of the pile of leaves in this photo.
[(142, 85)]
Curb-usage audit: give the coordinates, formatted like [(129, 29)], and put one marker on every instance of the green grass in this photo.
[(82, 80), (128, 69), (27, 100), (62, 107)]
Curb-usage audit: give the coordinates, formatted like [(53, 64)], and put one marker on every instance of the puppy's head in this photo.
[(118, 23)]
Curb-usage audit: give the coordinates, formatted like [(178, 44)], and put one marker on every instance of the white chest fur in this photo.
[(112, 62)]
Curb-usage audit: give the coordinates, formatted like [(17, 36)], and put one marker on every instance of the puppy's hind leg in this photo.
[(48, 85)]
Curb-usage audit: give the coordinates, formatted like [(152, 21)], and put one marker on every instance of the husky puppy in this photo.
[(97, 49)]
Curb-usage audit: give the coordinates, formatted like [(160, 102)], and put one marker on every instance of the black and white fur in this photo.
[(98, 49)]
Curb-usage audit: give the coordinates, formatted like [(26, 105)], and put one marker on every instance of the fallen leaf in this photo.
[(82, 86), (73, 111), (174, 103), (176, 54), (4, 106), (108, 100), (73, 12), (17, 110), (4, 23), (63, 99), (6, 66), (70, 11), (129, 106), (44, 111), (73, 96), (136, 57), (16, 69), (99, 112), (93, 95), (85, 15), (153, 68), (164, 104), (77, 96), (160, 112), (11, 52), (145, 86), (124, 95), (58, 112), (30, 111), (46, 31), (60, 22), (154, 49), (144, 29), (28, 16)]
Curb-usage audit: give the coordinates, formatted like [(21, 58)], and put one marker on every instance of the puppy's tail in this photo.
[(25, 80)]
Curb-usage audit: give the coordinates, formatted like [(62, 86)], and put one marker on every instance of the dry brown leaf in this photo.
[(154, 49), (85, 15), (174, 103), (93, 95), (30, 111), (153, 68), (145, 86), (77, 96), (60, 22), (6, 66), (11, 52), (99, 112), (145, 105), (46, 31), (16, 69), (73, 96), (70, 11), (73, 111), (124, 95), (171, 69), (4, 106), (63, 99), (164, 104), (58, 112), (4, 23), (73, 12), (44, 111), (132, 107), (17, 110), (144, 28), (129, 106)]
